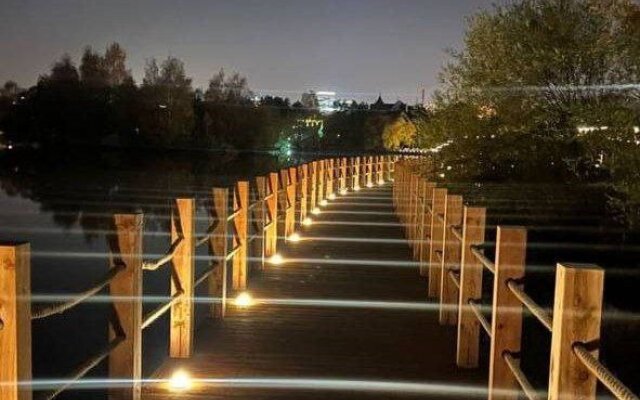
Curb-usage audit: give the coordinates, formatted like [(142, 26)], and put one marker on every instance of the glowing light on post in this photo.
[(315, 211), (369, 185), (294, 237), (244, 300), (343, 191), (180, 381), (307, 222), (357, 188), (332, 196), (324, 203), (276, 259)]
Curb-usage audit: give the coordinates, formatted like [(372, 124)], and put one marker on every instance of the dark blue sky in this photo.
[(355, 47)]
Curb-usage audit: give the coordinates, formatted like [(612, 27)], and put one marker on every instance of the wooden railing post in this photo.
[(125, 361), (577, 315), (357, 173), (182, 324), (380, 169), (436, 243), (219, 250), (329, 171), (369, 171), (343, 175), (506, 321), (321, 176), (473, 232), (15, 316), (417, 216), (290, 217), (271, 231), (303, 176), (313, 184), (425, 222), (240, 222), (450, 261)]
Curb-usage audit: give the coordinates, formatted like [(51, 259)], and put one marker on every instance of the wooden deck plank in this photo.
[(340, 340)]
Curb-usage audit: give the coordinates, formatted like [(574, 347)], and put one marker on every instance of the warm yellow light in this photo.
[(357, 188), (343, 191), (332, 196), (180, 381), (324, 203), (381, 182), (369, 185), (294, 237), (243, 300), (315, 211), (307, 221), (276, 259)]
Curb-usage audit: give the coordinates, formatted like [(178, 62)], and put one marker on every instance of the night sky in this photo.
[(355, 47)]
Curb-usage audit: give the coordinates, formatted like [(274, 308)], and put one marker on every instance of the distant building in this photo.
[(323, 101), (380, 105)]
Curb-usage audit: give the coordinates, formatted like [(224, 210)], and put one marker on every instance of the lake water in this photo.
[(63, 205)]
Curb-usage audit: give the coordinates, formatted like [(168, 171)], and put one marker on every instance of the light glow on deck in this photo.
[(316, 211), (294, 237), (244, 300), (307, 222), (180, 381), (276, 259)]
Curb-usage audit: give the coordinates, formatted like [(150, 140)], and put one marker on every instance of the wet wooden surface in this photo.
[(340, 326)]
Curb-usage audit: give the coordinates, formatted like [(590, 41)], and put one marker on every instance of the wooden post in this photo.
[(313, 184), (389, 169), (451, 258), (219, 250), (380, 169), (303, 176), (343, 176), (329, 170), (125, 361), (357, 170), (240, 204), (418, 210), (271, 230), (369, 171), (577, 314), (182, 323), (470, 288), (321, 176), (15, 314), (292, 180), (436, 244), (506, 321), (425, 216)]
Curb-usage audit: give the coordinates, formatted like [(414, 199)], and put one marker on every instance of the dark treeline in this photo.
[(99, 103)]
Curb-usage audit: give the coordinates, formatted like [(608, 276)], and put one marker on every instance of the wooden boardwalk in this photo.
[(336, 310)]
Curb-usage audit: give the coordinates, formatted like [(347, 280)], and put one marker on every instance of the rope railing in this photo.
[(456, 230), (610, 381), (84, 368), (125, 282), (154, 265), (478, 252), (475, 308), (152, 316), (578, 299), (536, 310), (514, 366), (59, 308)]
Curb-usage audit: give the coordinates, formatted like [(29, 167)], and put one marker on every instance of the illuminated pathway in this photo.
[(348, 320)]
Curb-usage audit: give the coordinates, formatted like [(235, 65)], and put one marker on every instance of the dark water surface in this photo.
[(63, 205)]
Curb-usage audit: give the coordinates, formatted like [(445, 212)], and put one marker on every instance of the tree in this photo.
[(529, 75), (92, 69), (10, 89), (63, 72), (167, 114), (115, 65), (232, 90)]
